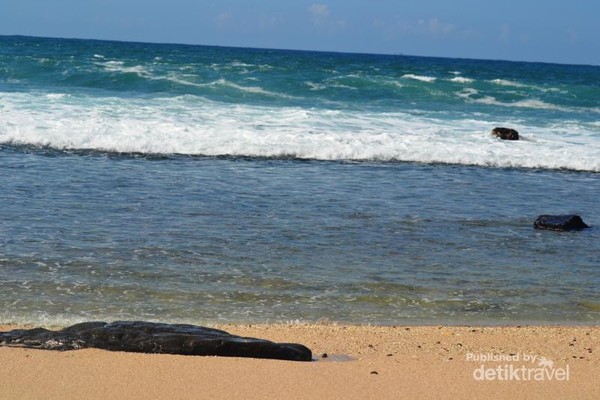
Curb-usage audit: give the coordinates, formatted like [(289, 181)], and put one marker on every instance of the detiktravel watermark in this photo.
[(516, 367)]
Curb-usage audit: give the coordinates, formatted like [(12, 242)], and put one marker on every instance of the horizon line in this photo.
[(398, 54)]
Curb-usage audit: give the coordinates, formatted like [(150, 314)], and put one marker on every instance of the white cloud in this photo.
[(432, 28), (224, 19), (436, 27), (318, 13), (270, 21)]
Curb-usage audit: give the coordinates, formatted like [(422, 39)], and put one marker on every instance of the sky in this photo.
[(522, 30)]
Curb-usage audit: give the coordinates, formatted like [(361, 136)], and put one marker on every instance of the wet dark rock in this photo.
[(559, 222), (149, 337), (505, 133)]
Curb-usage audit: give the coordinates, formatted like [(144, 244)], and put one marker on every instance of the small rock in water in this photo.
[(150, 337), (505, 133), (559, 222)]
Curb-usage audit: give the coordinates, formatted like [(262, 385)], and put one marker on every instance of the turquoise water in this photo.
[(202, 184)]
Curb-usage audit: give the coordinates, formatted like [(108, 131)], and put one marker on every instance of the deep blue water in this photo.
[(203, 184)]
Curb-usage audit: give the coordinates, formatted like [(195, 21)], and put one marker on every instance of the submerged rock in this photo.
[(559, 222), (149, 337), (505, 133)]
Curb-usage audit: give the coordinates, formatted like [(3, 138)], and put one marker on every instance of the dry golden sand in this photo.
[(362, 363)]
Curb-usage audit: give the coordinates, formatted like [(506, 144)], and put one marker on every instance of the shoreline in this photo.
[(350, 361)]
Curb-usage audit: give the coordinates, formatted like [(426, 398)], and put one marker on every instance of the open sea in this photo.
[(205, 185)]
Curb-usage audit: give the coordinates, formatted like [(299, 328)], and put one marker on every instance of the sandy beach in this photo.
[(351, 362)]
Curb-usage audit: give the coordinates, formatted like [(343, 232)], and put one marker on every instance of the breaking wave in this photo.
[(195, 126), (421, 78)]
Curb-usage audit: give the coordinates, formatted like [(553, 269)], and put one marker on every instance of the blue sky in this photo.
[(527, 30)]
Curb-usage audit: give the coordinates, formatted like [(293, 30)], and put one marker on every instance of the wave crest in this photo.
[(422, 78), (194, 126)]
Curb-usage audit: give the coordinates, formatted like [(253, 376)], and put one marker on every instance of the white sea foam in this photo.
[(315, 86), (539, 104), (421, 78), (195, 126), (505, 82), (54, 96), (528, 103), (395, 84), (515, 84), (119, 67), (469, 95), (460, 79), (180, 79), (249, 89)]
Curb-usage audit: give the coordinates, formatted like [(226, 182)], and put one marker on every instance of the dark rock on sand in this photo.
[(505, 133), (148, 337), (559, 222)]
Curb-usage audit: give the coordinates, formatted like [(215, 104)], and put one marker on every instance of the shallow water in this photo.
[(194, 184), (205, 239)]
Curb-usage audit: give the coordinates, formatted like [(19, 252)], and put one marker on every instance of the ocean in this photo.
[(205, 185)]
